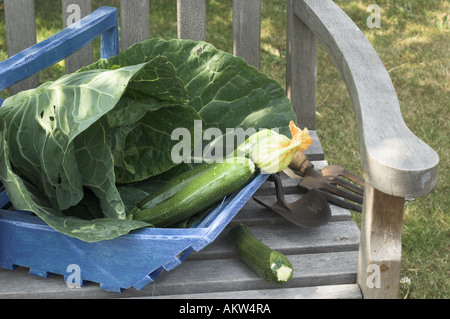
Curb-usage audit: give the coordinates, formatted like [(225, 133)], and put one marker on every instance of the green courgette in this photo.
[(269, 264), (203, 188), (174, 186)]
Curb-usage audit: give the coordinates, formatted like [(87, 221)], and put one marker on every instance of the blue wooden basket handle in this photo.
[(103, 21)]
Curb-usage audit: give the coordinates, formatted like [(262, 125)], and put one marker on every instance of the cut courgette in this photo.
[(269, 264)]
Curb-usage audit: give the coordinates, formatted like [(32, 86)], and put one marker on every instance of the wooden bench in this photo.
[(333, 261)]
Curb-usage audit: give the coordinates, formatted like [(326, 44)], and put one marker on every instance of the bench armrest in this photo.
[(394, 160), (103, 21)]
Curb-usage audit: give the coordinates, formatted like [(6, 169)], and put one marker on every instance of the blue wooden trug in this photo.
[(133, 260)]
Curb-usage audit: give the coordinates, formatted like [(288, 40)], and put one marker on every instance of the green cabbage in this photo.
[(79, 152)]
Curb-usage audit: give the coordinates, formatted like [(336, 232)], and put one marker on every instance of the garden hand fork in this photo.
[(328, 181)]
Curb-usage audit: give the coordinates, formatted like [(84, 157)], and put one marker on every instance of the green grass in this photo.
[(413, 43)]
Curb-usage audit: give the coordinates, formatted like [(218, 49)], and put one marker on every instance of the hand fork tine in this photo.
[(340, 201), (329, 183), (337, 170)]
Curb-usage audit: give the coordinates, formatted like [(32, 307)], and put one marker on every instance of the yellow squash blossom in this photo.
[(273, 152)]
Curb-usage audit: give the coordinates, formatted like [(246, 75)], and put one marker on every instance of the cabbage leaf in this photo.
[(80, 151)]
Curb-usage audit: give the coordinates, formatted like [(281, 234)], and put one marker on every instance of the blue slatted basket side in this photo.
[(136, 259)]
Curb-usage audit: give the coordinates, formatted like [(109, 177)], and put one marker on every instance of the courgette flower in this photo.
[(274, 152)]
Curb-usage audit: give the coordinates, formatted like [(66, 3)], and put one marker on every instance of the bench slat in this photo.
[(72, 11), (191, 17), (301, 69), (247, 30), (20, 34), (203, 276), (349, 291), (134, 21), (290, 239), (19, 284)]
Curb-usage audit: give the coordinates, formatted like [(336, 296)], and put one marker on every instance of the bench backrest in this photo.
[(191, 18)]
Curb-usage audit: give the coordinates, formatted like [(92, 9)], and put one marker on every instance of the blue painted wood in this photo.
[(103, 21), (4, 200), (133, 260)]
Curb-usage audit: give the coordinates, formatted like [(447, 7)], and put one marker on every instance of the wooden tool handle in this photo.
[(300, 163)]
